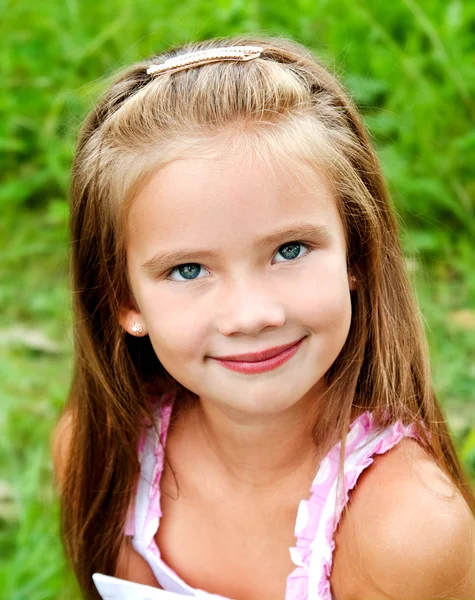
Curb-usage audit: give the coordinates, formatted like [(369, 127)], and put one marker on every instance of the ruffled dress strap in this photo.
[(318, 517), (145, 509), (144, 516)]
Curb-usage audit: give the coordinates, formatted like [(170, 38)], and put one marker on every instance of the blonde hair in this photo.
[(285, 99)]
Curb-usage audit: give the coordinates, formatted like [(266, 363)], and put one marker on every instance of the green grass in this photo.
[(408, 66)]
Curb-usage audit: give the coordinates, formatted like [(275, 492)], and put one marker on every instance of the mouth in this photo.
[(258, 356), (254, 363)]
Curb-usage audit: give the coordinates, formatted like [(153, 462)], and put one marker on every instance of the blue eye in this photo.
[(291, 251), (190, 271)]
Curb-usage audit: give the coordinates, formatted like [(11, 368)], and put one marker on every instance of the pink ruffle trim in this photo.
[(309, 528), (154, 510)]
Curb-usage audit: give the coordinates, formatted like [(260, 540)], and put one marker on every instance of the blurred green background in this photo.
[(409, 66)]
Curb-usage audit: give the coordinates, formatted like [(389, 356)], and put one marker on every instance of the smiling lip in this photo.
[(253, 365), (257, 356)]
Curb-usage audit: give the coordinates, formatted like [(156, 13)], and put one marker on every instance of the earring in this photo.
[(136, 328), (353, 279)]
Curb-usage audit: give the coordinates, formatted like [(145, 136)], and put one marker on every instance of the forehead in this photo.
[(202, 199)]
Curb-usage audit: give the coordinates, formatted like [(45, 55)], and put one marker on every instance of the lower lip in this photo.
[(263, 365)]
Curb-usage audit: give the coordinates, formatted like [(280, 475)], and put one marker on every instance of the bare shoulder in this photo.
[(407, 533), (132, 567), (60, 445)]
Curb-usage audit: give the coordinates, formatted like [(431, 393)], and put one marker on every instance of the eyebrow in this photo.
[(319, 233)]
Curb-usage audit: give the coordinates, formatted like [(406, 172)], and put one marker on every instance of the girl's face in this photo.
[(241, 283)]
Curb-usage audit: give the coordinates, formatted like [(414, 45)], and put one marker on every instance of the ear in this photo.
[(132, 322), (351, 281)]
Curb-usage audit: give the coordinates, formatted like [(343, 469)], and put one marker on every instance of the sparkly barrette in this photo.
[(202, 57)]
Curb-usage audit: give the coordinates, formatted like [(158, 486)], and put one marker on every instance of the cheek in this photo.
[(328, 313), (176, 332), (323, 297)]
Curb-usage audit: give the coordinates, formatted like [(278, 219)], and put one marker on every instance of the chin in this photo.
[(267, 403)]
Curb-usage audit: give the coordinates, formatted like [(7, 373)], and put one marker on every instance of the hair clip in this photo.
[(202, 57)]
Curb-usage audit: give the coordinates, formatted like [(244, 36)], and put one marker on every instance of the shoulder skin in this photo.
[(130, 565), (406, 534), (60, 443)]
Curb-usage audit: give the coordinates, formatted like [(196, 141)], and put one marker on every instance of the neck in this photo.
[(256, 452)]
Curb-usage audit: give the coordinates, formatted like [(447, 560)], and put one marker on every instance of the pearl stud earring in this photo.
[(136, 328)]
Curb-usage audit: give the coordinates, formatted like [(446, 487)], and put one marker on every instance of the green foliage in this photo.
[(408, 66)]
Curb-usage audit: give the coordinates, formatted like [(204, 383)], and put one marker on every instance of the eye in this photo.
[(291, 251), (190, 271), (187, 272)]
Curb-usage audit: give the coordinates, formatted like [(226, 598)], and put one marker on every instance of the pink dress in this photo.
[(317, 517)]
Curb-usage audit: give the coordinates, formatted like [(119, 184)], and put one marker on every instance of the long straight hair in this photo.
[(283, 101)]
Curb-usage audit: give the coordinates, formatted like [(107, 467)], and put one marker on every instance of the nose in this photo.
[(248, 308)]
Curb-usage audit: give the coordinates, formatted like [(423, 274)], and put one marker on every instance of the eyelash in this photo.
[(307, 246)]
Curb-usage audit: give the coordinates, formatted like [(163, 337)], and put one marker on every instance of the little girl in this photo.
[(251, 373)]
